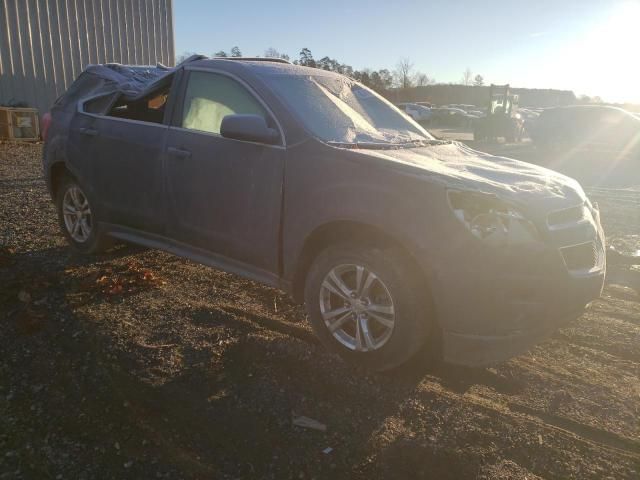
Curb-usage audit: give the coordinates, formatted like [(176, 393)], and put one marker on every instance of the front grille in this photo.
[(583, 257), (567, 216)]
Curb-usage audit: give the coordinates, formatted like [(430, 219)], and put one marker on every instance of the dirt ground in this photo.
[(137, 364)]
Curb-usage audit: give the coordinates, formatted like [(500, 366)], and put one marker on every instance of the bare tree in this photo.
[(235, 52), (404, 73), (422, 79), (467, 77), (478, 80), (271, 53)]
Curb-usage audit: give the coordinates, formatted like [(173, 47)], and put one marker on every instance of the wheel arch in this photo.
[(343, 231), (57, 171)]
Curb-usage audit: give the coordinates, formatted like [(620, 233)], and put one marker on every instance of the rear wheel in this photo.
[(78, 220), (366, 304)]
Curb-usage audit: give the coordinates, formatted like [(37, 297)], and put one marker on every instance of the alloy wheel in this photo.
[(357, 308), (77, 214)]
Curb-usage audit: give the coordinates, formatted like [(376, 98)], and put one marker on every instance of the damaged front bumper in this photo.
[(503, 304), (533, 323)]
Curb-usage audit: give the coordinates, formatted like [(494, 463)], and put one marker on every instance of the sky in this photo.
[(587, 46)]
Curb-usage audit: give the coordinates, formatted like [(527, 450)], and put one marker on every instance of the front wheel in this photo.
[(77, 219), (366, 304)]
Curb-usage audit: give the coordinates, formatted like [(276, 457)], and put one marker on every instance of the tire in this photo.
[(84, 235), (396, 288), (480, 132)]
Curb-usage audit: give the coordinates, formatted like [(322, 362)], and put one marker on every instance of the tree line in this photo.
[(403, 76)]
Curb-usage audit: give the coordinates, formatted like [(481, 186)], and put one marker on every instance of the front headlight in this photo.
[(490, 219)]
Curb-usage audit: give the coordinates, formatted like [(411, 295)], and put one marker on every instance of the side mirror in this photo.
[(248, 127)]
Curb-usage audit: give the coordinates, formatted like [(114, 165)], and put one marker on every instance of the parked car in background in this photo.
[(465, 106), (529, 118), (419, 113), (476, 112), (598, 144), (528, 114), (593, 127), (452, 117), (308, 181)]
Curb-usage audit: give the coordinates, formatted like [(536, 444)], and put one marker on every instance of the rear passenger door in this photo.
[(223, 195), (124, 162)]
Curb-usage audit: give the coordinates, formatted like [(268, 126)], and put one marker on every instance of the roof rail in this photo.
[(192, 58), (255, 59)]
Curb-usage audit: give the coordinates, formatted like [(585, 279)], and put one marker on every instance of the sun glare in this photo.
[(606, 58)]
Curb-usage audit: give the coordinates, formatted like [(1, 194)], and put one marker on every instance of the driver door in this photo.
[(223, 195)]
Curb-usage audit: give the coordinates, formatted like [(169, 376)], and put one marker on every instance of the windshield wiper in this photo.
[(425, 143), (388, 145), (367, 145), (363, 145)]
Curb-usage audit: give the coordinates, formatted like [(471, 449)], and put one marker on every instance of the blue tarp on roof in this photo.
[(132, 81)]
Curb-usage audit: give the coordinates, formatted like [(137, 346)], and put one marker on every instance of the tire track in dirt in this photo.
[(574, 430), (584, 431), (626, 356), (631, 319)]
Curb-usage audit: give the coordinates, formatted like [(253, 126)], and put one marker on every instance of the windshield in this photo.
[(341, 111)]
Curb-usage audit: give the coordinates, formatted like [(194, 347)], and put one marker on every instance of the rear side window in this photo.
[(99, 105), (210, 97), (148, 109)]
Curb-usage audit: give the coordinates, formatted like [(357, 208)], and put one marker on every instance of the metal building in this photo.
[(45, 44)]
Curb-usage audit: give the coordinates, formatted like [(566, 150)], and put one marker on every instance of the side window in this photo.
[(98, 105), (148, 109), (210, 97)]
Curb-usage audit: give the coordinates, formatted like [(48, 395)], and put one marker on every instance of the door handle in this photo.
[(178, 152), (88, 131)]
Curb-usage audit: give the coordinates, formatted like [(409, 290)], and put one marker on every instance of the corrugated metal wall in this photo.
[(45, 44)]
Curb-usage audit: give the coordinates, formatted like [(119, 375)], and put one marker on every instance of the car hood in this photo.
[(457, 166)]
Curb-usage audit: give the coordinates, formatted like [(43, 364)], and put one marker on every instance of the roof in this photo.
[(263, 66), (256, 59), (136, 81)]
